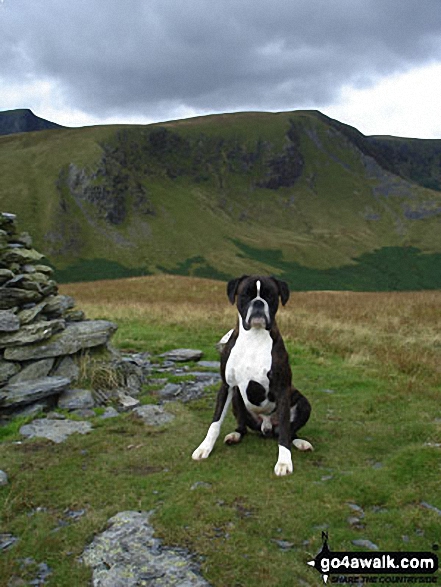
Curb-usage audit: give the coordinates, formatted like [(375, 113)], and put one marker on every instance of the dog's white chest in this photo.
[(250, 359)]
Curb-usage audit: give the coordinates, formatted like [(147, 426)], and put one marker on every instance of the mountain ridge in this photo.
[(227, 194)]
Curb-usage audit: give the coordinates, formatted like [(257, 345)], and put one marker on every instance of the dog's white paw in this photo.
[(302, 445), (282, 469), (284, 463), (233, 438), (200, 453)]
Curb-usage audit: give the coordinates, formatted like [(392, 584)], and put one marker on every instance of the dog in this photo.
[(256, 375)]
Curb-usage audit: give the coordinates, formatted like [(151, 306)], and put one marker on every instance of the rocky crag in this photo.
[(43, 335)]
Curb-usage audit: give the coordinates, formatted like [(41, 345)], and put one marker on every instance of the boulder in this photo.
[(18, 394), (9, 322), (55, 430), (75, 337)]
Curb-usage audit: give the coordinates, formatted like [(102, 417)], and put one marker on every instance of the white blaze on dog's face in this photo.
[(257, 299)]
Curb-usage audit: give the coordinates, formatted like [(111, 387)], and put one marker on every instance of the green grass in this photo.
[(370, 438)]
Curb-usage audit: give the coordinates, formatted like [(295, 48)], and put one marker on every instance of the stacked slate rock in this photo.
[(41, 331)]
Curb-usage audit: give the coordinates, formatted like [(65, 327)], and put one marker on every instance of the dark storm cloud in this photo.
[(145, 56)]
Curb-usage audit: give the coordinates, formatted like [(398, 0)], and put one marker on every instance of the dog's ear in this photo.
[(232, 288), (283, 290)]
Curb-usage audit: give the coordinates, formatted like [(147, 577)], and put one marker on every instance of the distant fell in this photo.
[(294, 194), (23, 120)]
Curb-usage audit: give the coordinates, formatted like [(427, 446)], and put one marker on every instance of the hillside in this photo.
[(296, 194), (17, 121)]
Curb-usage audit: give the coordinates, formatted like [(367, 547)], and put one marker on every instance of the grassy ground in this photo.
[(375, 440)]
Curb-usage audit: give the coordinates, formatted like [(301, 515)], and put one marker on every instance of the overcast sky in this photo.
[(375, 64)]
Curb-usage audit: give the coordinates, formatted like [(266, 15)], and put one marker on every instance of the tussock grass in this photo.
[(368, 364)]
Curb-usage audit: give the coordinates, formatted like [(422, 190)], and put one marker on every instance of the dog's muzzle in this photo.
[(258, 314)]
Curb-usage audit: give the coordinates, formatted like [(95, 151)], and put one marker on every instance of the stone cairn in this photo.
[(43, 337)]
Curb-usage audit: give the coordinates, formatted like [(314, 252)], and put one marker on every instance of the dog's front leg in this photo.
[(223, 401), (284, 461)]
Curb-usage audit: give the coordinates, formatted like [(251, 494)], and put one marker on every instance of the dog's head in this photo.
[(257, 299)]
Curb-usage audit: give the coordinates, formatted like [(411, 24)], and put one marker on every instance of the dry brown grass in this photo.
[(391, 331)]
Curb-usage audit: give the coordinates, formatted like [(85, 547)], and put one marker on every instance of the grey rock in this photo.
[(7, 370), (109, 413), (363, 543), (127, 555), (283, 544), (170, 391), (433, 508), (32, 410), (3, 479), (125, 401), (7, 541), (153, 415), (356, 508), (74, 315), (5, 275), (31, 333), (44, 269), (22, 256), (9, 322), (58, 304), (199, 485), (67, 367), (84, 413), (18, 394), (75, 337), (34, 370), (29, 315), (55, 430), (14, 296), (182, 355), (215, 365), (76, 399)]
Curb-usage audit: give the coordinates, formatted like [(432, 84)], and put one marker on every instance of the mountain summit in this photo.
[(23, 120)]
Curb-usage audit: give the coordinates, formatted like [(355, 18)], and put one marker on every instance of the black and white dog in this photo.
[(256, 374)]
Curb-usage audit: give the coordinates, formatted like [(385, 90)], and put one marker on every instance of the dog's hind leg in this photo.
[(300, 413)]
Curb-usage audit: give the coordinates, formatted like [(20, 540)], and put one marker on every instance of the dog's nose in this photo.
[(258, 305)]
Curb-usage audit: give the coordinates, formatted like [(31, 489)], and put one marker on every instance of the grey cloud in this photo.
[(139, 56)]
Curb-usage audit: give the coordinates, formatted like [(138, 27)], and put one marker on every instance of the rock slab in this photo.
[(128, 555), (27, 392), (75, 337), (55, 430)]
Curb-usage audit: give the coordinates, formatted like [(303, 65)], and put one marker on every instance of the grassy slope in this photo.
[(374, 440), (329, 217)]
